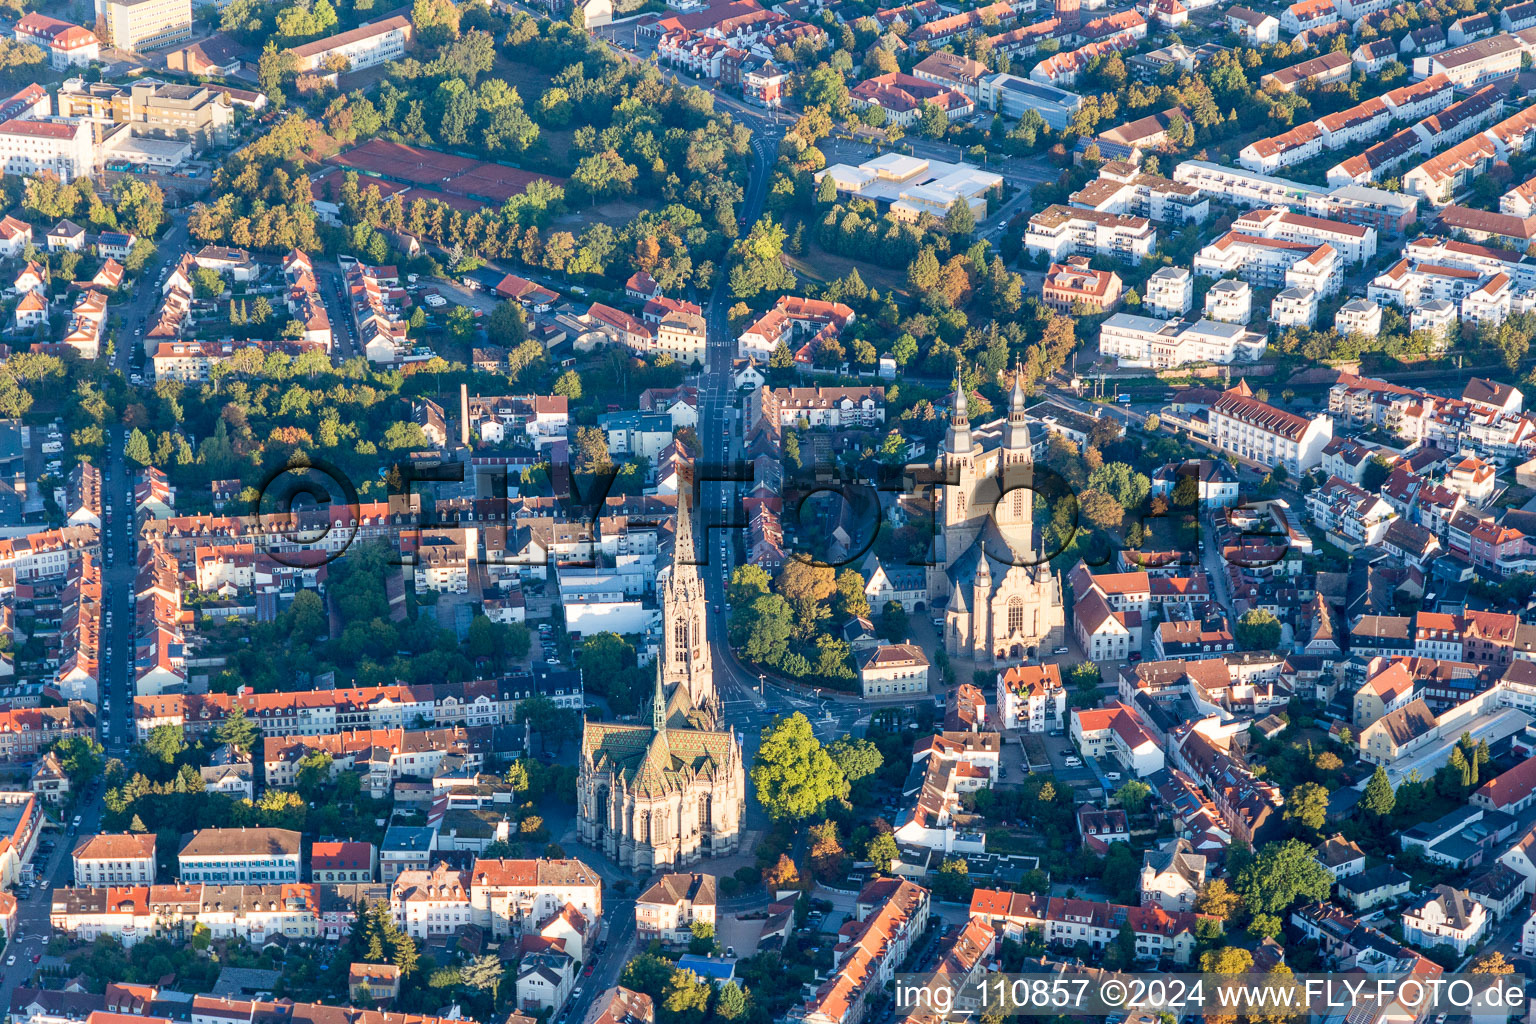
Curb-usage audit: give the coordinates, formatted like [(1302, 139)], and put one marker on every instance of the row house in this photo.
[(890, 918), (383, 755), (1355, 243), (1159, 934), (1249, 806)]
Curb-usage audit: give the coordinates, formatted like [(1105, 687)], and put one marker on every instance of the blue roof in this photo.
[(714, 968)]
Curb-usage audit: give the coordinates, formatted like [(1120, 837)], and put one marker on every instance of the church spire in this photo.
[(659, 710), (1016, 434), (682, 545), (957, 440)]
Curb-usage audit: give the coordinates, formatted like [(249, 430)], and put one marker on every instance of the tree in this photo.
[(138, 448), (793, 775), (1132, 795), (933, 121), (592, 451), (1217, 899), (731, 1004), (507, 325), (960, 219), (1492, 962), (826, 849), (483, 974), (1307, 805), (856, 758), (1279, 876), (1226, 960), (952, 882), (1379, 798), (1258, 630), (783, 875), (702, 940), (237, 730), (882, 851), (165, 744), (569, 385)]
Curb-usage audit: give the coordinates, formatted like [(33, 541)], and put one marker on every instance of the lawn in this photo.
[(822, 266)]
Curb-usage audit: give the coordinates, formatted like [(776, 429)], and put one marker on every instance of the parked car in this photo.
[(1074, 762)]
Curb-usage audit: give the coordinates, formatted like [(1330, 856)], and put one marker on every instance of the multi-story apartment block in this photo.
[(139, 25), (1122, 188), (362, 47), (1272, 263), (1031, 697), (1354, 243), (243, 855), (1061, 231), (1170, 293), (1229, 301), (1162, 344), (107, 859), (1294, 307), (512, 896), (1261, 433), (63, 147)]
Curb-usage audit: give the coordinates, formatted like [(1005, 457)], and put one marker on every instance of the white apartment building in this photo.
[(1258, 432), (362, 47), (1163, 344), (1351, 516), (139, 25), (126, 859), (1062, 231), (1170, 293), (1435, 315), (241, 855), (1229, 301), (1294, 307), (1358, 316), (1246, 188), (1355, 243), (62, 146), (1408, 285), (1489, 302), (1122, 188), (1031, 697), (1271, 263), (1474, 64), (1298, 145)]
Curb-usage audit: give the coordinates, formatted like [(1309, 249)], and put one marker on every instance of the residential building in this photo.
[(138, 25), (1031, 697), (361, 47), (893, 668), (1170, 293), (1445, 916), (29, 146), (1261, 433), (240, 855), (1172, 876), (115, 859), (1061, 231), (1230, 301), (1076, 285), (1164, 344), (668, 909)]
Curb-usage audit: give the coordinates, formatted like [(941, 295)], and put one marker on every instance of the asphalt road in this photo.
[(32, 928)]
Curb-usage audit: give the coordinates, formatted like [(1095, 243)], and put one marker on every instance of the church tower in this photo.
[(959, 466), (685, 659), (1016, 504)]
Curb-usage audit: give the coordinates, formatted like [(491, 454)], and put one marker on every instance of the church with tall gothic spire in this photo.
[(667, 793), (1004, 603)]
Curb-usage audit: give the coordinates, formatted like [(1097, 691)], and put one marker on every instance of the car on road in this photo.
[(77, 821)]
